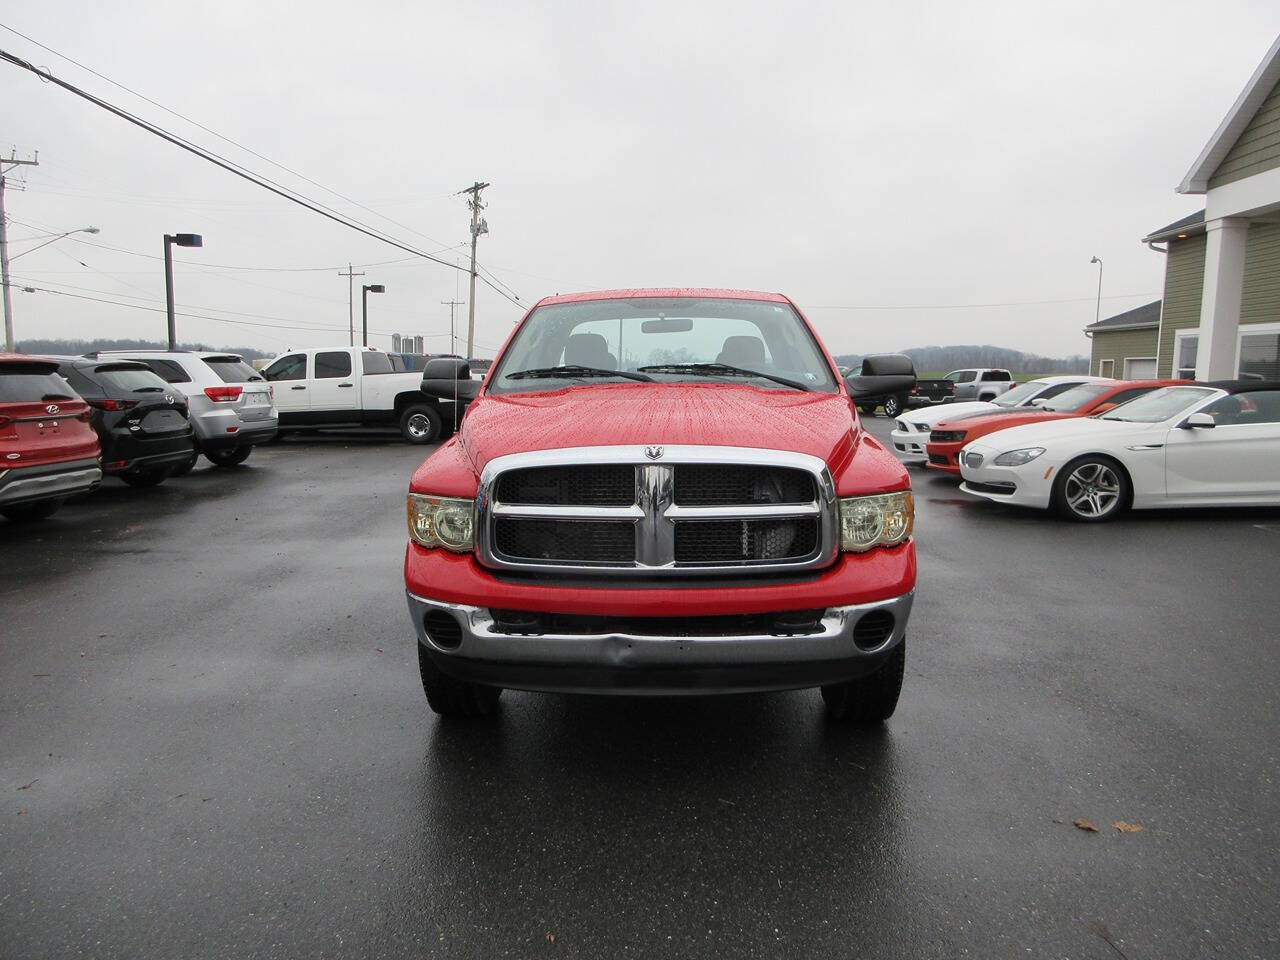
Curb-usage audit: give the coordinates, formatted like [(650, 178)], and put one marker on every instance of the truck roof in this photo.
[(635, 293)]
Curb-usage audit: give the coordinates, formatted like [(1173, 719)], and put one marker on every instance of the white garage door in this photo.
[(1140, 368)]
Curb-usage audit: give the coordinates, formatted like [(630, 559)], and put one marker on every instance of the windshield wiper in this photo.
[(571, 370), (724, 370)]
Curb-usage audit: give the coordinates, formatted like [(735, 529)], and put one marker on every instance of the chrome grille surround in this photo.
[(654, 511)]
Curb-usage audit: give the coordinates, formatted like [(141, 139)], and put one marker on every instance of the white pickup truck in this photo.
[(353, 387), (980, 383)]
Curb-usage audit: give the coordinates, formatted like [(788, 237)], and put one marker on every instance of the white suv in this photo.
[(232, 405)]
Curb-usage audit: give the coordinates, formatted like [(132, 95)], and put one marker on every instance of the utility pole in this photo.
[(1097, 310), (351, 303), (5, 167), (478, 227), (453, 348)]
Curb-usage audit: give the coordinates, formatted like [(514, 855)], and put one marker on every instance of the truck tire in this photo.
[(870, 699), (894, 406), (454, 698), (29, 512), (420, 423), (229, 458)]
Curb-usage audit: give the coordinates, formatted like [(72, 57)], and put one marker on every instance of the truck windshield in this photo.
[(667, 340)]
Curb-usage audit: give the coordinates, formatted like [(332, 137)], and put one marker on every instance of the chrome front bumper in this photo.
[(620, 662)]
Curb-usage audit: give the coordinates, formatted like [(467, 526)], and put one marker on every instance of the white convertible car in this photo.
[(1211, 444), (913, 428)]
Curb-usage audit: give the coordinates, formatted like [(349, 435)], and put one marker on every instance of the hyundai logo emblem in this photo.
[(52, 408), (653, 453)]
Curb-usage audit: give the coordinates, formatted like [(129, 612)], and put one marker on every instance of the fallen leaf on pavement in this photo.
[(551, 937), (1080, 823), (1124, 827), (27, 786)]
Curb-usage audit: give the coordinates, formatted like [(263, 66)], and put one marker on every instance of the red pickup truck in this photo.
[(661, 491)]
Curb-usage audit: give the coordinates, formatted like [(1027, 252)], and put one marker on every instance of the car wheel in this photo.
[(29, 512), (182, 469), (454, 698), (870, 699), (1091, 489), (420, 423), (229, 458), (892, 407), (145, 478)]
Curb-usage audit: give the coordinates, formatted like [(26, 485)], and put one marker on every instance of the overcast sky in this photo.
[(876, 162)]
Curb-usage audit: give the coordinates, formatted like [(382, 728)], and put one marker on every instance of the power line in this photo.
[(215, 133), (972, 306), (223, 163)]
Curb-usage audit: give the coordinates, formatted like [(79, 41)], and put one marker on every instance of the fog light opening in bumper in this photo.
[(442, 629), (874, 629)]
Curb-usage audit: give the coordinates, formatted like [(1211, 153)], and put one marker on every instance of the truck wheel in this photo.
[(1091, 489), (870, 699), (182, 469), (454, 698), (893, 406), (229, 458), (28, 512), (420, 423)]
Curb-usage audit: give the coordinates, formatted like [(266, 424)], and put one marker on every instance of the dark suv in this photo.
[(141, 421)]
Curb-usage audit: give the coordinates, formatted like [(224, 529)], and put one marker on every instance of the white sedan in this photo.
[(913, 428), (1208, 445)]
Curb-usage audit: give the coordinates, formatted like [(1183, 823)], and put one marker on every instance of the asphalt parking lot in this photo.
[(215, 744)]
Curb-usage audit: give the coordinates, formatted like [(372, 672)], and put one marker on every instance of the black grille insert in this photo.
[(873, 629), (566, 541), (588, 485), (946, 436), (442, 629), (939, 458), (791, 623), (712, 485), (738, 541)]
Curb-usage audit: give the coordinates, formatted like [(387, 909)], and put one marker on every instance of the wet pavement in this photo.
[(213, 743)]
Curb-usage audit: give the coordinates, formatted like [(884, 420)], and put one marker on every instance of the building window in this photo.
[(1184, 357), (1260, 356), (1106, 368)]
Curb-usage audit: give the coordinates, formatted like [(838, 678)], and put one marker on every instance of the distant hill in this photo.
[(76, 347), (954, 358)]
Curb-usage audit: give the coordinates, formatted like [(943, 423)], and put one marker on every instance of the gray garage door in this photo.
[(1140, 368)]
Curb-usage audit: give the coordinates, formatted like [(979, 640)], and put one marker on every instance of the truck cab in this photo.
[(980, 383)]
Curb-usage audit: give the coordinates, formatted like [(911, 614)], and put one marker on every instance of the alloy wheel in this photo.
[(1092, 490)]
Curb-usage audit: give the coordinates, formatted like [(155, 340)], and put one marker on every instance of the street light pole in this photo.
[(365, 290), (182, 240), (53, 239), (1097, 310)]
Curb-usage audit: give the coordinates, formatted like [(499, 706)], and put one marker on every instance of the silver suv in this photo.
[(232, 406)]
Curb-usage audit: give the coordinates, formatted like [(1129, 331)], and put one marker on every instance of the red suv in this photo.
[(48, 450), (661, 491)]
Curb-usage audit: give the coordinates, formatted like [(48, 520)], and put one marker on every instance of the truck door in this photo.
[(288, 374), (334, 396)]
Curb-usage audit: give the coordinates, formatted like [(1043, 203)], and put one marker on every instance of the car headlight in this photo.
[(884, 520), (447, 522), (1016, 458)]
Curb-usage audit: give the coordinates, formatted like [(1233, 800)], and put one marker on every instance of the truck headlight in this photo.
[(884, 520), (1016, 458), (447, 522)]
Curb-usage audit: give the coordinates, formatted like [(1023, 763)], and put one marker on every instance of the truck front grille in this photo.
[(656, 510)]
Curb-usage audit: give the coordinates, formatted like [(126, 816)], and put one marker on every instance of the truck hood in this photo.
[(819, 424)]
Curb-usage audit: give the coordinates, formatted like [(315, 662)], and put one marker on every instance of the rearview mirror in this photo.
[(1039, 401), (1199, 421), (667, 325), (860, 386), (1104, 407), (448, 378)]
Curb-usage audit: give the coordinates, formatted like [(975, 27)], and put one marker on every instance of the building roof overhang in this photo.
[(1256, 90)]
